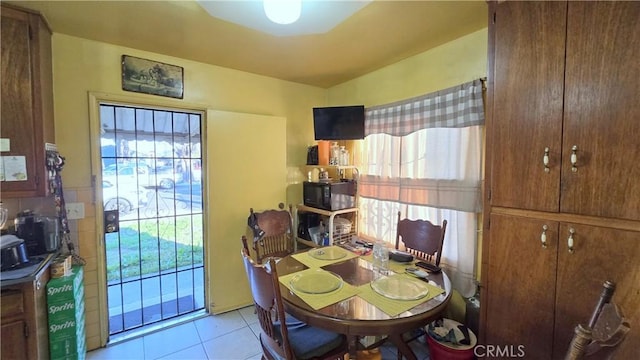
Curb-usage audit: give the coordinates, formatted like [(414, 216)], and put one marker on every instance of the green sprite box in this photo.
[(66, 287), (78, 356), (65, 307), (59, 311), (67, 338)]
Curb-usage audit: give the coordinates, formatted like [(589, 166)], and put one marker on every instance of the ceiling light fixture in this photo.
[(282, 11)]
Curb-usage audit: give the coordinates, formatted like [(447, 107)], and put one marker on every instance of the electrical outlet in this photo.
[(75, 210)]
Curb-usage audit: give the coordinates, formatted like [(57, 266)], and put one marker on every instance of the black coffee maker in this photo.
[(40, 233)]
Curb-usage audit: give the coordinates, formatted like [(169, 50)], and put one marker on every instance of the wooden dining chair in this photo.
[(295, 340), (605, 331), (421, 238), (272, 231)]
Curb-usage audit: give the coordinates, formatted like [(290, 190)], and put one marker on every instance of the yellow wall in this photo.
[(81, 66), (450, 64)]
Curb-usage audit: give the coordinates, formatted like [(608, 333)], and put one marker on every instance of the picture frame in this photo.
[(152, 77)]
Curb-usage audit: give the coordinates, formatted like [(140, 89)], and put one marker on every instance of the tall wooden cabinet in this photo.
[(27, 97), (563, 150)]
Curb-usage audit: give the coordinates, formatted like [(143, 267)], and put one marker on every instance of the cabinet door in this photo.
[(27, 101), (14, 345), (17, 96), (529, 72), (602, 111), (599, 254), (521, 285)]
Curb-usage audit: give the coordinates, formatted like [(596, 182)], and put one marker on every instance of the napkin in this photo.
[(319, 301), (394, 307), (312, 262)]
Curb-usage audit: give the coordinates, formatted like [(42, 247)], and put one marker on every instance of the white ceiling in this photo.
[(379, 34), (316, 17)]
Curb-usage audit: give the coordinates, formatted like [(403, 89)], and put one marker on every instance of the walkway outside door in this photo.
[(152, 197)]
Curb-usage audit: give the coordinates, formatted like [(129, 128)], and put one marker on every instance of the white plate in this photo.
[(316, 282), (400, 287), (328, 253)]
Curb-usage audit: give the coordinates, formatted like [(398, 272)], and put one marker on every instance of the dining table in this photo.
[(358, 308)]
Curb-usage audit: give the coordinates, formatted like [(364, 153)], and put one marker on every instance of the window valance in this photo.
[(455, 107)]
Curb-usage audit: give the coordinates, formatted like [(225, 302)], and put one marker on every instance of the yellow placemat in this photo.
[(318, 301), (394, 307), (312, 262), (394, 266)]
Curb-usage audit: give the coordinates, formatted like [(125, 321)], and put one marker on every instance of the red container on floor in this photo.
[(446, 351)]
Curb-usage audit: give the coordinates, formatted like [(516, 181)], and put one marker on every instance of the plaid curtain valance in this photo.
[(455, 107)]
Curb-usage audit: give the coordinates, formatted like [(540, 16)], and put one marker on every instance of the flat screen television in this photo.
[(338, 122)]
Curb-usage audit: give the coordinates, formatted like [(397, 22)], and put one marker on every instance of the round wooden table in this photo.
[(356, 317)]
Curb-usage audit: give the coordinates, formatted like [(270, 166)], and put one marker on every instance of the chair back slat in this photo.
[(278, 238), (421, 238)]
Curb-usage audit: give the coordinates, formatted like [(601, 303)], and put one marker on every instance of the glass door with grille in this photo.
[(152, 198)]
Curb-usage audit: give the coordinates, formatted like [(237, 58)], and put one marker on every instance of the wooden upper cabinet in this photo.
[(527, 104), (602, 110), (567, 74), (27, 97)]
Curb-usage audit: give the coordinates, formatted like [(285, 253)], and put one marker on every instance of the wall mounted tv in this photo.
[(338, 122)]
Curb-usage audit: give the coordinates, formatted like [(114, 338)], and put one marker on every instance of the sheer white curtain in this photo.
[(423, 157)]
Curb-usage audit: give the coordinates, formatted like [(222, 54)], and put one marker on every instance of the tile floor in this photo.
[(229, 336)]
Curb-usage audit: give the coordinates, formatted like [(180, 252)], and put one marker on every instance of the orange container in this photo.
[(323, 152)]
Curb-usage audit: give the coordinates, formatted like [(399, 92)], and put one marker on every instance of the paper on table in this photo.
[(395, 307), (319, 301), (312, 262)]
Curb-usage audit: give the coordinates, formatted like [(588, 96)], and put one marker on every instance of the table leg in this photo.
[(353, 346), (404, 348)]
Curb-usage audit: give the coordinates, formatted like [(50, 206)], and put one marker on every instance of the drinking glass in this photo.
[(380, 256)]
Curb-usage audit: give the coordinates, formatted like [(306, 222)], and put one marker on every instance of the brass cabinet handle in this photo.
[(574, 158), (545, 160), (543, 236), (570, 240)]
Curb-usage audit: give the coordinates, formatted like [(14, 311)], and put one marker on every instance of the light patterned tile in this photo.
[(213, 326), (170, 340), (256, 357), (249, 314), (128, 350), (193, 353), (256, 329), (241, 344)]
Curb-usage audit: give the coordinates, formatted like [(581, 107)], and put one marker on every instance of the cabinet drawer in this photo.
[(12, 303)]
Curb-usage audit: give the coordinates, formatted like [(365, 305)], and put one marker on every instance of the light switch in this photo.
[(75, 210)]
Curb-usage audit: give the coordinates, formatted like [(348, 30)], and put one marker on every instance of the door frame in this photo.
[(95, 99)]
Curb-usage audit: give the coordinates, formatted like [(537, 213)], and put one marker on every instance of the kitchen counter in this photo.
[(23, 310), (27, 274)]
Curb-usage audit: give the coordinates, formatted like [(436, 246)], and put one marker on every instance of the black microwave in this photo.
[(330, 195)]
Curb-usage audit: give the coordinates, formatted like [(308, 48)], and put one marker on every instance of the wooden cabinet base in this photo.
[(24, 319)]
